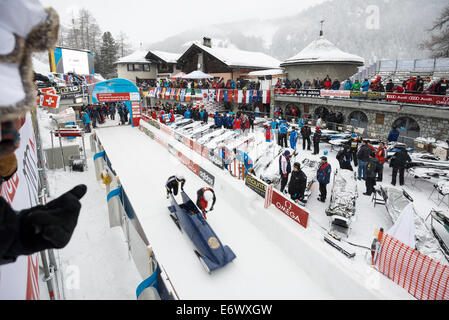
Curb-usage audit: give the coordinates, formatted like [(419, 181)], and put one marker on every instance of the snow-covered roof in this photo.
[(269, 72), (241, 58), (168, 57), (322, 50), (135, 57)]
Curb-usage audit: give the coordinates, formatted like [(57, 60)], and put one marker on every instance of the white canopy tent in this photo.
[(179, 75), (197, 75)]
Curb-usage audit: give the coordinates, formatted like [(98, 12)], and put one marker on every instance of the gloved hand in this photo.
[(285, 175), (51, 225)]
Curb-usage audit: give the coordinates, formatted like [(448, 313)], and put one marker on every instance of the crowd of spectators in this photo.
[(215, 83), (417, 85)]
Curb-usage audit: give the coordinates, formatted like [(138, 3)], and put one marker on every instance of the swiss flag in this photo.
[(49, 101), (48, 91)]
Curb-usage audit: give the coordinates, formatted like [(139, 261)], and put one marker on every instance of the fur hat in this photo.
[(25, 27)]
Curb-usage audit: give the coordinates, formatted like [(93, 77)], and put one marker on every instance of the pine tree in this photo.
[(439, 43), (108, 55)]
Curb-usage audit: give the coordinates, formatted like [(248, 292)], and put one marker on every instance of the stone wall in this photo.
[(312, 71), (429, 126)]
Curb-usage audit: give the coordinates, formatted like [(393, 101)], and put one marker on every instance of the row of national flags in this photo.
[(210, 95)]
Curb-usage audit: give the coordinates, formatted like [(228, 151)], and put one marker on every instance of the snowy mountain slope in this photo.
[(373, 29)]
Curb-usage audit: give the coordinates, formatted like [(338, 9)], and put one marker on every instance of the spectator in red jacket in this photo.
[(327, 83), (398, 89), (410, 85)]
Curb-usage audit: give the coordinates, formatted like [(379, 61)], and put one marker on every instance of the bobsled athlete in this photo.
[(205, 196), (173, 182)]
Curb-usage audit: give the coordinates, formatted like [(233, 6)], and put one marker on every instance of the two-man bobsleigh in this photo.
[(209, 249)]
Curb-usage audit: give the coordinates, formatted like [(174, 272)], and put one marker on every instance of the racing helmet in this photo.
[(208, 195)]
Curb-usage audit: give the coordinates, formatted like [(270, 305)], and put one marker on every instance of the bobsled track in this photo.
[(276, 258)]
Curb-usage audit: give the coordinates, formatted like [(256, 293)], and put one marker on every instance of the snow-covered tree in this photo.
[(438, 44)]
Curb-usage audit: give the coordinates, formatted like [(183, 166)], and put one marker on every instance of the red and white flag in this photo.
[(220, 95), (50, 101), (266, 95), (48, 91)]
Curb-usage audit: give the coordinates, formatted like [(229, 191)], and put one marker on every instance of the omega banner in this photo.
[(289, 208)]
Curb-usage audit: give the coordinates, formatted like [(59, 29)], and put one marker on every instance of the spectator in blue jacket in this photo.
[(283, 130), (218, 120), (86, 122), (302, 122), (393, 136), (293, 138), (187, 114), (348, 84), (365, 85), (323, 178)]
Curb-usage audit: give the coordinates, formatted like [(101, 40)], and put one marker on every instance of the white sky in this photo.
[(151, 21)]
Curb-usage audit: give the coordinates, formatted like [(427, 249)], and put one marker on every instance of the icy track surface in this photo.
[(260, 271)]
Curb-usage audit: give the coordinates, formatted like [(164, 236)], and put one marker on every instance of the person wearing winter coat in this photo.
[(419, 85), (187, 114), (274, 129), (363, 158), (365, 85), (390, 86), (344, 157), (162, 117), (348, 84), (267, 133), (357, 85), (112, 111), (354, 145), (95, 116), (327, 83), (86, 122), (293, 138), (323, 178), (336, 85), (372, 169), (316, 140), (399, 161), (442, 87), (307, 85), (285, 168), (121, 114), (393, 136), (381, 156), (306, 132), (237, 125), (298, 183), (126, 113), (283, 130)]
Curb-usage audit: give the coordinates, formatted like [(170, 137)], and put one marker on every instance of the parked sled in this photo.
[(342, 202)]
